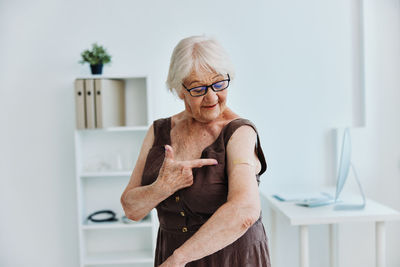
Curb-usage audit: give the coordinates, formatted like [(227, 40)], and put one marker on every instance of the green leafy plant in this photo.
[(98, 55)]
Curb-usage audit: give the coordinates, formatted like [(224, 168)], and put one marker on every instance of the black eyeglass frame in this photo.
[(208, 86)]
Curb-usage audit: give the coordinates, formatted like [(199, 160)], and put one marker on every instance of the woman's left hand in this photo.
[(172, 262)]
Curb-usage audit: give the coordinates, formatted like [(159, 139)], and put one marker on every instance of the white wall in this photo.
[(294, 63), (376, 147)]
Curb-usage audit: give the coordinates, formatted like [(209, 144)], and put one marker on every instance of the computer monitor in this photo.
[(343, 172), (344, 163)]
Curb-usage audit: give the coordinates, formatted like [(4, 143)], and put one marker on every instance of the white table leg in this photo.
[(380, 238), (273, 237), (304, 260), (333, 245)]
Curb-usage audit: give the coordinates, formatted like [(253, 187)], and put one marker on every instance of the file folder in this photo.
[(80, 105), (110, 103), (90, 104)]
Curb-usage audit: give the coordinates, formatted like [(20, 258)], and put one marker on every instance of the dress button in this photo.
[(177, 198), (182, 213), (184, 229)]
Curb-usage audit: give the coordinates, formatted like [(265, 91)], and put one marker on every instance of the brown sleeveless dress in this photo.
[(185, 211)]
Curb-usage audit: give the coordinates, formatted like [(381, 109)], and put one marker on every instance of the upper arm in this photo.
[(242, 182), (136, 177)]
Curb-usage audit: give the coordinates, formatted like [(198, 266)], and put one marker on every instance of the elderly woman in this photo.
[(200, 169)]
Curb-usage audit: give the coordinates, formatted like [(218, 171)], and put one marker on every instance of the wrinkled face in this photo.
[(208, 107)]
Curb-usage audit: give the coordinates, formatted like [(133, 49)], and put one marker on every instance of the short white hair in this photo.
[(197, 53)]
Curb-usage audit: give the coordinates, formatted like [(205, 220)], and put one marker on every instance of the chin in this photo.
[(212, 118), (211, 115)]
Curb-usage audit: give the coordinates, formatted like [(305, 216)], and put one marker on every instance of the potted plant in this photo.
[(96, 57)]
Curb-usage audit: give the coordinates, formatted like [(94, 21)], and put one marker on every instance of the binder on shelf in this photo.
[(110, 103), (80, 105), (90, 104)]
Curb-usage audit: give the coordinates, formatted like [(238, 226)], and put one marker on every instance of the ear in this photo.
[(181, 94)]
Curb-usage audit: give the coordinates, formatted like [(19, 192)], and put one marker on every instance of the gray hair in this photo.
[(195, 53)]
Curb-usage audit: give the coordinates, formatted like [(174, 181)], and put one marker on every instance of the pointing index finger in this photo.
[(197, 163)]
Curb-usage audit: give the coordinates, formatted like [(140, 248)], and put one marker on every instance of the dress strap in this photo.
[(162, 129), (233, 126)]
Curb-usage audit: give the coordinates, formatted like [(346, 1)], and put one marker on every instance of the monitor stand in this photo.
[(352, 206)]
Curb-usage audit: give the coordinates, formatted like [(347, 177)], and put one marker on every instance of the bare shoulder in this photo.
[(242, 142), (243, 136), (241, 149)]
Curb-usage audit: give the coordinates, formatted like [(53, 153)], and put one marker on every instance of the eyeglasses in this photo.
[(202, 90)]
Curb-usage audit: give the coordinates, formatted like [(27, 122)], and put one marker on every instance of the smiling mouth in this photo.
[(213, 106)]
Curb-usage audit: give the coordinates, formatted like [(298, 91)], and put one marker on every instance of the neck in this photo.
[(227, 114)]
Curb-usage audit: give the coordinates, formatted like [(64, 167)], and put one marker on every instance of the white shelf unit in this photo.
[(104, 162)]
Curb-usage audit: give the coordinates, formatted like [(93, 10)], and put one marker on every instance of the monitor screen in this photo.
[(344, 163)]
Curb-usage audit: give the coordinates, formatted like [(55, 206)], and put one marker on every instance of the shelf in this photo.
[(117, 129), (140, 264), (127, 128), (119, 257), (104, 160), (110, 174), (116, 225), (113, 76)]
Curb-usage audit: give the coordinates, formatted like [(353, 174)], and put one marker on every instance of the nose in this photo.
[(211, 96)]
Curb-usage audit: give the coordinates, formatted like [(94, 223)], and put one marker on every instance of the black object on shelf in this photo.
[(110, 218)]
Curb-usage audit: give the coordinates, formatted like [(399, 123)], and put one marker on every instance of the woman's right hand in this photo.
[(175, 174)]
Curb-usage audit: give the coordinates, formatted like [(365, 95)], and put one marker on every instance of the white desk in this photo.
[(303, 217)]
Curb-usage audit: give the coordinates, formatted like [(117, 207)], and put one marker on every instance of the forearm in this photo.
[(139, 201), (226, 225)]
